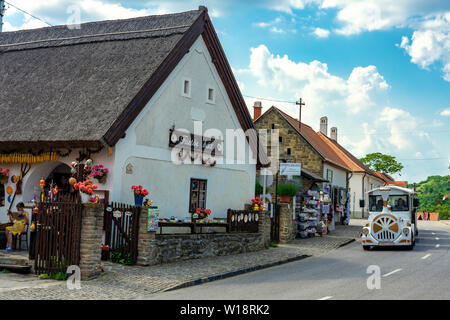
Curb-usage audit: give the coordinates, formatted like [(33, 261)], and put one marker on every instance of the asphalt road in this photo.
[(423, 273)]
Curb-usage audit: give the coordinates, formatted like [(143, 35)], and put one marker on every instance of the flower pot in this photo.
[(285, 198), (85, 197), (102, 180), (138, 200)]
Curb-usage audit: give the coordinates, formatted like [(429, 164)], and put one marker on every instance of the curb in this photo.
[(347, 242), (235, 273)]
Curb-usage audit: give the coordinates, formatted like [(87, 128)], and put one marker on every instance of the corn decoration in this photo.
[(28, 158)]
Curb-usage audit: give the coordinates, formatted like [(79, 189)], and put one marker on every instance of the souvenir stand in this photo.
[(307, 213), (327, 209)]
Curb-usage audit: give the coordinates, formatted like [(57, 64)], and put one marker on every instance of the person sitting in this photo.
[(379, 205), (20, 221), (401, 206)]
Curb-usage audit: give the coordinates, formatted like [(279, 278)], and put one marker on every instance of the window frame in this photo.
[(183, 84), (205, 191), (213, 100)]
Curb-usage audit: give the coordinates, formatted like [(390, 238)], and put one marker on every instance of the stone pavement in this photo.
[(134, 282)]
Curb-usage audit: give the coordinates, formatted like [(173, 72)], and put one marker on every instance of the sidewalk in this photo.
[(134, 282)]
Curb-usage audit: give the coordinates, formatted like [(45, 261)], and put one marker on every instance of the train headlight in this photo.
[(365, 231), (406, 231)]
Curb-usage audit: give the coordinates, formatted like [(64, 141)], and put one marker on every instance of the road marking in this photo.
[(437, 238), (326, 298), (438, 245), (433, 233), (426, 256), (392, 272)]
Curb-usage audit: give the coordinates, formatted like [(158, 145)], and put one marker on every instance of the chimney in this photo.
[(333, 133), (324, 125), (257, 108)]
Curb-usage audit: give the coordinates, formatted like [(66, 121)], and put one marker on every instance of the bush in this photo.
[(287, 189), (259, 189)]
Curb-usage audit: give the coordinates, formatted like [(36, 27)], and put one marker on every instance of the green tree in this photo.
[(382, 162)]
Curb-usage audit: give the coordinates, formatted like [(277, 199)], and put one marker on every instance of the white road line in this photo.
[(438, 245), (326, 298), (433, 233), (437, 238), (392, 272), (426, 256)]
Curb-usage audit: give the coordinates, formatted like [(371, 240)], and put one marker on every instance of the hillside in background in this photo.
[(431, 193)]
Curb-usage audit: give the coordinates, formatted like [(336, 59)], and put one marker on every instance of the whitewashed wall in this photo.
[(357, 194), (145, 145), (339, 176)]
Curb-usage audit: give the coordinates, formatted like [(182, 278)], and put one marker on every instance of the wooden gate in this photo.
[(275, 224), (121, 224), (58, 233)]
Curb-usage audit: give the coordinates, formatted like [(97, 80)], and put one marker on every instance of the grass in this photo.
[(273, 245)]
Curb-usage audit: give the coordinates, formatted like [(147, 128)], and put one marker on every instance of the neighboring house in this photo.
[(301, 144), (388, 180), (362, 179), (114, 91)]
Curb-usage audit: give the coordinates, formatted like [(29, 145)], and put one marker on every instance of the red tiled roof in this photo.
[(316, 141)]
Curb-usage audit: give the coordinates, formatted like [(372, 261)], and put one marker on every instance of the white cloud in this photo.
[(321, 33), (445, 112), (431, 43), (357, 104), (276, 30)]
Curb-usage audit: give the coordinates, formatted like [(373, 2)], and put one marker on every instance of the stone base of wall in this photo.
[(171, 248), (165, 248), (91, 241), (287, 223)]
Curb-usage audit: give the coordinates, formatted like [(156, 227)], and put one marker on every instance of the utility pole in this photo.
[(300, 103), (2, 13)]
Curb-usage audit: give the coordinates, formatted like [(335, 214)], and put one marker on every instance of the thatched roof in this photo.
[(86, 86), (59, 84)]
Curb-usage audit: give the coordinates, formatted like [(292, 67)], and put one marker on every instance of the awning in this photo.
[(312, 176)]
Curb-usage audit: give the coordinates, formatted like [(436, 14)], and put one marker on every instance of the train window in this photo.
[(399, 203), (375, 203)]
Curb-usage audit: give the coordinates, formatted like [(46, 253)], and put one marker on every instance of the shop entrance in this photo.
[(59, 177)]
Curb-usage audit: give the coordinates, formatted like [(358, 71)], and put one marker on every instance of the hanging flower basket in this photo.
[(86, 190), (100, 173)]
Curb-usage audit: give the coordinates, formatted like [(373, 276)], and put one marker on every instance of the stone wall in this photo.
[(301, 151), (156, 249), (91, 241), (287, 223)]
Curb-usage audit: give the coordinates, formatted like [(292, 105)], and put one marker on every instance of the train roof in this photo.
[(393, 188)]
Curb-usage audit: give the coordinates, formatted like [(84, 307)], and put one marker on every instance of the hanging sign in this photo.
[(152, 219), (290, 169), (188, 141)]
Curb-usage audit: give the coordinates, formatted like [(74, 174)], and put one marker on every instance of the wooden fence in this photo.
[(121, 224), (243, 220), (58, 233)]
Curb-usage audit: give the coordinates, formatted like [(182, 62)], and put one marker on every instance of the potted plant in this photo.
[(286, 191), (201, 214), (4, 175), (99, 172), (139, 194), (86, 190)]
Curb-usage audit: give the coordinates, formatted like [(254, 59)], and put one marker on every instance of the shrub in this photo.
[(287, 189)]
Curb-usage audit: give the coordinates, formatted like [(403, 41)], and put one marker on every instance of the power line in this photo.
[(275, 100), (33, 16)]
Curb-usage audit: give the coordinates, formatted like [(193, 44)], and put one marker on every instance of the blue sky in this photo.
[(379, 69)]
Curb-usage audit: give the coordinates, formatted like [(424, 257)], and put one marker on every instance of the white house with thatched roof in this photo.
[(122, 93)]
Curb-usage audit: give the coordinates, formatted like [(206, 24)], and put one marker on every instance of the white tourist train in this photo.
[(392, 218)]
